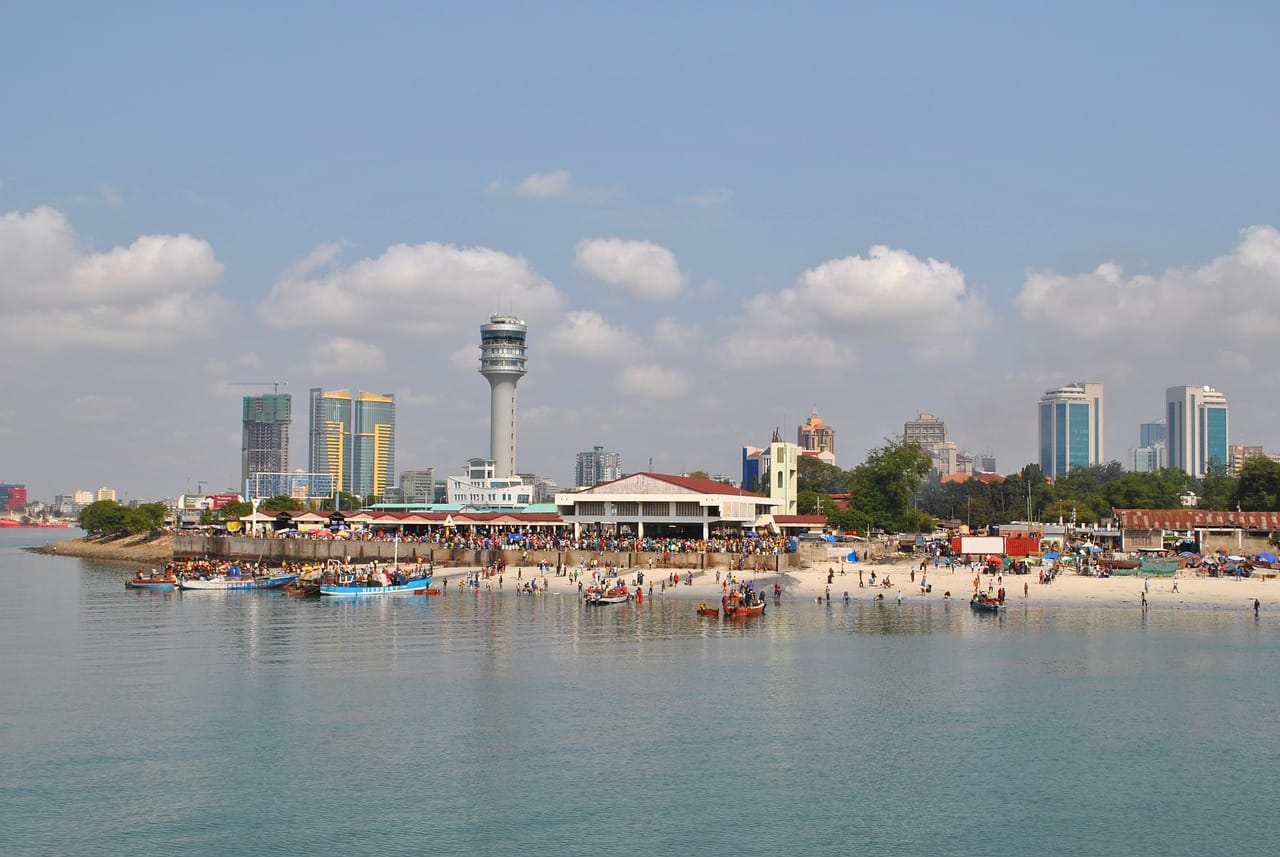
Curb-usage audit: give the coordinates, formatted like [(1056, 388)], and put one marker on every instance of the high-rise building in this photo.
[(329, 436), (353, 440), (418, 486), (264, 439), (1197, 426), (105, 493), (816, 436), (1071, 420), (1150, 434), (592, 468), (373, 460), (930, 434), (925, 430), (13, 498), (1152, 453), (502, 363)]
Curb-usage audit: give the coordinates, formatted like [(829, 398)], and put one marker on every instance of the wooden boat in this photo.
[(985, 604), (397, 584), (704, 610), (614, 595), (162, 581), (224, 582), (739, 606)]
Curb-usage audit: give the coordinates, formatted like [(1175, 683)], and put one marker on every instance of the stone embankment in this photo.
[(124, 549)]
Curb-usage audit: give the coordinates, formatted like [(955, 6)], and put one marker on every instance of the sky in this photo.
[(715, 218)]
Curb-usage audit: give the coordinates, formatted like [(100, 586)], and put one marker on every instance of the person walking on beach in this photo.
[(1144, 600), (1024, 589), (1256, 605), (1146, 584), (1175, 583)]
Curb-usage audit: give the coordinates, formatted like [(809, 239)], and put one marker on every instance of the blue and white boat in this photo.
[(225, 582), (351, 586)]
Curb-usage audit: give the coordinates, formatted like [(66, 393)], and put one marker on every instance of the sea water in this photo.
[(137, 722)]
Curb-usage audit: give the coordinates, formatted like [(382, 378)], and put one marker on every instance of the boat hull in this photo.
[(741, 612), (986, 606), (158, 585), (416, 586), (225, 584), (609, 599)]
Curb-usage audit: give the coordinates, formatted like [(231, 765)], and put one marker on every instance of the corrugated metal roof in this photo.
[(1190, 519)]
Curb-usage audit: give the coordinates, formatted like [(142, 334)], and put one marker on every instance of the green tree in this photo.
[(281, 503), (1218, 489), (814, 474), (1258, 488), (104, 517), (234, 510), (884, 486)]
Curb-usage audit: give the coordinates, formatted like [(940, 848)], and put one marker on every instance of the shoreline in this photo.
[(130, 549), (809, 583)]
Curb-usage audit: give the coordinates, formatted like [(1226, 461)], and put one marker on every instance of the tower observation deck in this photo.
[(502, 363)]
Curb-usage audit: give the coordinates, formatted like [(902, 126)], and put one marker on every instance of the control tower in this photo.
[(502, 364)]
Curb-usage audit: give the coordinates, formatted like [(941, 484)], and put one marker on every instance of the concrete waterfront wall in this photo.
[(277, 551)]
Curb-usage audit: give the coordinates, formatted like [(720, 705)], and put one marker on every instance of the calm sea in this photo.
[(255, 723)]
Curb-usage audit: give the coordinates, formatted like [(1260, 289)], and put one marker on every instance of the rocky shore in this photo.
[(125, 549)]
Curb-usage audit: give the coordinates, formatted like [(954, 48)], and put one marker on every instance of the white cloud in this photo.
[(1239, 292), (674, 334), (653, 382), (156, 291), (343, 354), (642, 267), (98, 410), (542, 185), (888, 297), (321, 257), (709, 198), (587, 335), (557, 184), (419, 289)]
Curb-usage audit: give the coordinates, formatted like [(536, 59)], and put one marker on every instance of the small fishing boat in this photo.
[(738, 605), (613, 595), (985, 604), (704, 610), (225, 582), (161, 581), (379, 583)]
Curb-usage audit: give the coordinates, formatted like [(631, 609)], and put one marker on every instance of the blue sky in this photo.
[(713, 216)]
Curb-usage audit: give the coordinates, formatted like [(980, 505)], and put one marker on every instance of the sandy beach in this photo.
[(810, 584)]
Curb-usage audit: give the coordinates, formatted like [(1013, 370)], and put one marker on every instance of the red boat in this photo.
[(740, 606), (164, 581), (704, 610)]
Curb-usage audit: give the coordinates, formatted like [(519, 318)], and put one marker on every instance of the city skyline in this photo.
[(964, 209)]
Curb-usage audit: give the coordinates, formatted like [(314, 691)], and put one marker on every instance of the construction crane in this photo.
[(275, 385)]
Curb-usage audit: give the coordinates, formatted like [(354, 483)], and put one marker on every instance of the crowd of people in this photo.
[(448, 537)]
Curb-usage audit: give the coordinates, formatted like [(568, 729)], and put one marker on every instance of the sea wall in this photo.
[(276, 551)]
